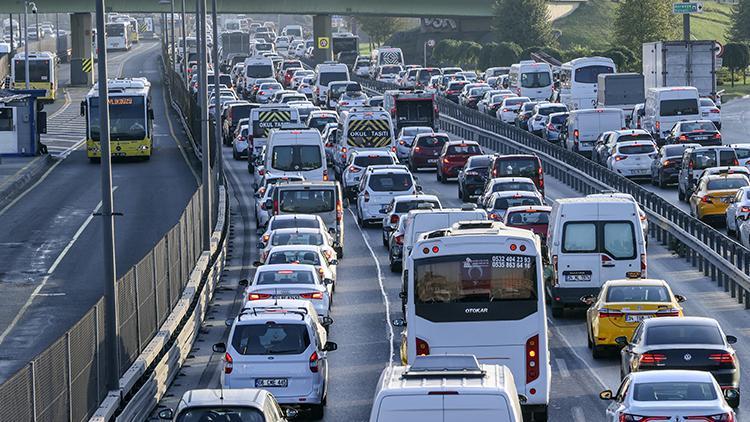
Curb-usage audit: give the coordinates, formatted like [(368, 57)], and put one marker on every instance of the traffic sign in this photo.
[(430, 43), (324, 42), (719, 49), (687, 7)]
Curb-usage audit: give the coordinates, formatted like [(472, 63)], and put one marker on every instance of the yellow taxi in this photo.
[(714, 193), (621, 305)]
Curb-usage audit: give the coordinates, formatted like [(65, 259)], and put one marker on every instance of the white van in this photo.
[(592, 240), (666, 106), (293, 31), (421, 221), (446, 388), (326, 73), (267, 117), (531, 79), (362, 129), (579, 79), (584, 127), (297, 152), (256, 67), (385, 56)]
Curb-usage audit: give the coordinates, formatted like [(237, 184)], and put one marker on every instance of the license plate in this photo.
[(432, 161), (578, 277), (118, 154), (633, 274), (701, 138), (636, 318), (286, 297), (271, 382)]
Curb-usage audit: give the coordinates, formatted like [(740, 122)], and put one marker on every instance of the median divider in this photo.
[(715, 254)]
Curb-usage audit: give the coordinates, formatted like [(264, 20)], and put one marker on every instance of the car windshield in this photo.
[(390, 182), (507, 202), (402, 207), (535, 79), (674, 391), (726, 183), (637, 149), (280, 239), (525, 218), (221, 414), (683, 333), (432, 141), (306, 201), (390, 70), (270, 339), (270, 87), (294, 257), (455, 86), (285, 277), (638, 294), (296, 157), (682, 107), (697, 126), (706, 159), (475, 92)]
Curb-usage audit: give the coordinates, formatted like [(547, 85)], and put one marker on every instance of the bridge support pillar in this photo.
[(80, 40), (322, 38)]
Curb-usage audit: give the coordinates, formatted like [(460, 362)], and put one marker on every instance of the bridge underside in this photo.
[(414, 8)]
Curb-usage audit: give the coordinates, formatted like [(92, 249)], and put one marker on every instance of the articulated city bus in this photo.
[(131, 118), (42, 73), (477, 288)]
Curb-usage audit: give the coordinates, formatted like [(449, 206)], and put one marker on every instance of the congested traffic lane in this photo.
[(52, 259), (735, 121)]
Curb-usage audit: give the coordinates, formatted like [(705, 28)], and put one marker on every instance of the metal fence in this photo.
[(715, 254), (66, 382)]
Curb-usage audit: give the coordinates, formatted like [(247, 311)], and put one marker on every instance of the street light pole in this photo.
[(26, 5), (217, 95), (111, 316), (184, 45), (171, 43), (203, 103)]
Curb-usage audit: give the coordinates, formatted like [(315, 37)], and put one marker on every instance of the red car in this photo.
[(454, 156), (288, 74), (529, 217), (425, 150)]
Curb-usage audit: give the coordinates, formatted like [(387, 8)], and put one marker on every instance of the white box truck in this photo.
[(680, 63)]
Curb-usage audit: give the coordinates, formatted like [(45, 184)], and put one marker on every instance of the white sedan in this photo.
[(313, 255), (668, 395), (738, 210), (632, 158), (291, 281)]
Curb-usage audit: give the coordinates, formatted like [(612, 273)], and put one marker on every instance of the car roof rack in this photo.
[(444, 366)]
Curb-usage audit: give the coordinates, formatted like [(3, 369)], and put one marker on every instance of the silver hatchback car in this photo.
[(280, 346)]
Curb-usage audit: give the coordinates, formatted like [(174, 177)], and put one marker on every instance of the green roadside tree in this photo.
[(736, 58), (524, 22), (740, 29), (639, 21)]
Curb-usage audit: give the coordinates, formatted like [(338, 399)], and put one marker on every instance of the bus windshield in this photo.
[(127, 118), (475, 278)]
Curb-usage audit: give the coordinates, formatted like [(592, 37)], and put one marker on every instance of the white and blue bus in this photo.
[(579, 80), (477, 288), (118, 37)]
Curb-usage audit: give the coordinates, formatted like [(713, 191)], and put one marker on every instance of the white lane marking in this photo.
[(578, 414), (562, 367), (391, 335), (51, 294), (63, 107), (52, 269), (572, 350)]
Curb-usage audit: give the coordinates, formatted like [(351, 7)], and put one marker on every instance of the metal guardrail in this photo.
[(715, 254)]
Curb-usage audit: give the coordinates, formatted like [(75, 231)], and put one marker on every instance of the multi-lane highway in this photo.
[(51, 270), (366, 300)]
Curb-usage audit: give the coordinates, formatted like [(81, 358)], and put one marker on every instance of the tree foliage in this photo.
[(736, 57), (380, 28), (740, 29), (639, 21), (524, 22)]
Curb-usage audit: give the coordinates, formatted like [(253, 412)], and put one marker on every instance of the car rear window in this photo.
[(726, 183), (727, 158), (638, 294), (519, 167), (697, 126), (280, 239), (321, 122), (683, 107), (328, 77), (639, 137), (372, 160), (403, 207), (464, 149), (390, 182), (637, 149), (505, 203), (515, 101), (683, 334), (306, 201), (477, 162), (674, 391), (674, 151), (742, 153), (524, 218), (285, 277), (270, 339), (294, 257), (507, 186), (414, 131), (546, 111), (291, 223), (559, 119), (432, 141), (296, 157)]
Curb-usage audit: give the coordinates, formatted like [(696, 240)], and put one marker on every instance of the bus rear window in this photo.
[(475, 278)]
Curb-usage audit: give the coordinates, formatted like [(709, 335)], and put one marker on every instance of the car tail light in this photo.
[(417, 149), (643, 264), (627, 417), (736, 162), (576, 133), (312, 295), (258, 296), (717, 136), (724, 358), (652, 358), (314, 362), (723, 417), (609, 313), (394, 219), (683, 138), (554, 267), (446, 160), (367, 196), (745, 209), (706, 199), (393, 149), (505, 110), (261, 93), (690, 164), (532, 359), (325, 175), (261, 172), (353, 169), (715, 110), (551, 127), (668, 312), (620, 157), (494, 216), (399, 239), (393, 111), (423, 348), (657, 125), (228, 363)]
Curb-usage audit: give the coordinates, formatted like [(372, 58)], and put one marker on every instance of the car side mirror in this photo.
[(256, 195), (326, 321), (731, 339), (333, 262), (588, 299), (641, 113), (291, 413), (332, 230), (327, 281), (219, 348), (606, 395), (330, 346), (167, 414), (680, 298), (243, 283), (229, 322), (419, 188), (399, 322), (522, 399), (621, 341), (257, 264), (151, 114), (260, 245)]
